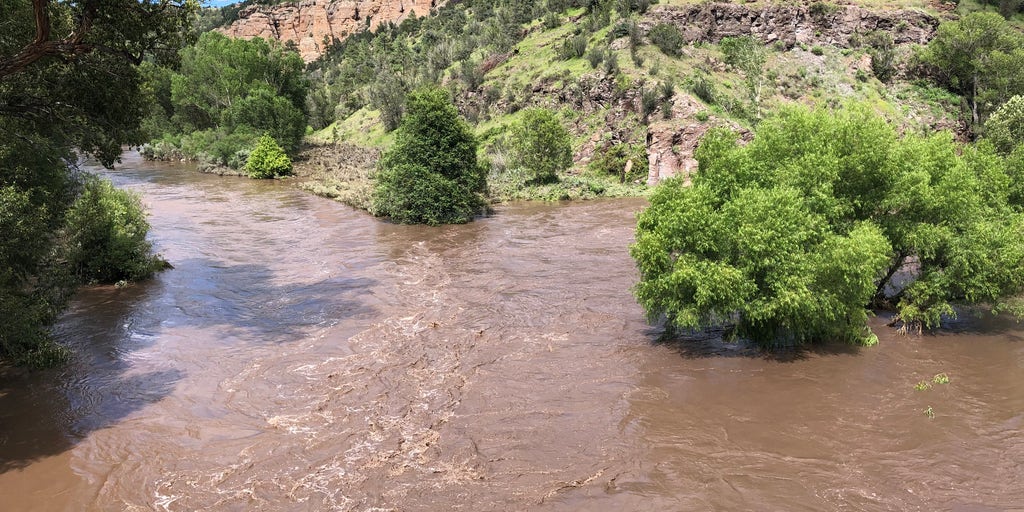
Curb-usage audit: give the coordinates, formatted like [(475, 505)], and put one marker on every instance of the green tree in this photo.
[(793, 236), (268, 160), (749, 56), (540, 145), (227, 92), (1005, 128), (106, 232), (882, 49), (979, 57), (431, 174), (68, 79)]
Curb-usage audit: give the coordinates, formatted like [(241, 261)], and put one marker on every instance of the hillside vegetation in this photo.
[(635, 90)]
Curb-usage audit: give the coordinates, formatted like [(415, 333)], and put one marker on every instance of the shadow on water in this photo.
[(711, 343), (251, 302), (46, 413)]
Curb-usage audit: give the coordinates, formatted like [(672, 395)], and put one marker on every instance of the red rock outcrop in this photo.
[(314, 24)]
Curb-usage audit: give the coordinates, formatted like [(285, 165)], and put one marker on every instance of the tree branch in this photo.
[(42, 47)]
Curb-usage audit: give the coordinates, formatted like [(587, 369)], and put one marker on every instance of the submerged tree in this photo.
[(793, 237), (431, 174)]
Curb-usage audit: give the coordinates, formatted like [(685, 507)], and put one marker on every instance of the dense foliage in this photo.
[(793, 236), (68, 79), (1005, 128), (268, 160), (226, 94), (667, 38), (430, 175), (980, 57), (541, 146), (106, 236)]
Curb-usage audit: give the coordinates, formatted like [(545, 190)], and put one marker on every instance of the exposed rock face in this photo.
[(792, 24), (671, 143), (311, 23)]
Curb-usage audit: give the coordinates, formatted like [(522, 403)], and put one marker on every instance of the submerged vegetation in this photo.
[(431, 175), (69, 82), (793, 237)]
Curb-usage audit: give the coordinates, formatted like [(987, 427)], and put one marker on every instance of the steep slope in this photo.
[(314, 24)]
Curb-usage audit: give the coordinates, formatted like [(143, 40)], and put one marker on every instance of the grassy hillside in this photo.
[(622, 98)]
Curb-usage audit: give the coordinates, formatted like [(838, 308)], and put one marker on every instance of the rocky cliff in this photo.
[(790, 24), (313, 24)]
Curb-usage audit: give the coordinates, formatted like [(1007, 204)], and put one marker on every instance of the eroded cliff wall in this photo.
[(313, 24)]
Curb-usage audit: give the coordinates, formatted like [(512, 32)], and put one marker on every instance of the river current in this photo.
[(304, 356)]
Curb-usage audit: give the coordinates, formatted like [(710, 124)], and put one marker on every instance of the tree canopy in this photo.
[(793, 237), (541, 146), (980, 57), (226, 94), (431, 174), (68, 79)]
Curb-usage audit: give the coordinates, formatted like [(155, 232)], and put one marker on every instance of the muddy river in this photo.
[(305, 356)]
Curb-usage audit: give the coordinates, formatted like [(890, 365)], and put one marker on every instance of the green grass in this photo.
[(362, 128)]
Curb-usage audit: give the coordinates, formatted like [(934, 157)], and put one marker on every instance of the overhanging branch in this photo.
[(41, 47)]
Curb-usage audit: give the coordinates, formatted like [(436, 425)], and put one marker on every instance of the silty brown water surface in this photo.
[(304, 356)]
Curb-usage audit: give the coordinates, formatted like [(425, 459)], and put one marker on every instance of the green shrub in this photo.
[(613, 160), (431, 174), (882, 49), (701, 85), (540, 145), (574, 47), (106, 231), (267, 160), (596, 56), (1005, 128), (667, 38)]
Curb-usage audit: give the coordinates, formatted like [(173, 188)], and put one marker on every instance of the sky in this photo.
[(218, 3)]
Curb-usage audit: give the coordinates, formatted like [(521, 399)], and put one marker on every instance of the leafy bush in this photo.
[(430, 175), (574, 47), (1005, 128), (614, 160), (106, 230), (540, 145), (701, 85), (667, 38), (649, 100), (882, 50), (791, 237), (267, 160)]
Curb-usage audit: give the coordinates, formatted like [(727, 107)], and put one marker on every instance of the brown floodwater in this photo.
[(304, 356)]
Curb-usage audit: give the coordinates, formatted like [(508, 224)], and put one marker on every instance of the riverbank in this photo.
[(344, 172)]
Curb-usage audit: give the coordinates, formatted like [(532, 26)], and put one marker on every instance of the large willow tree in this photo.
[(68, 81), (794, 236)]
